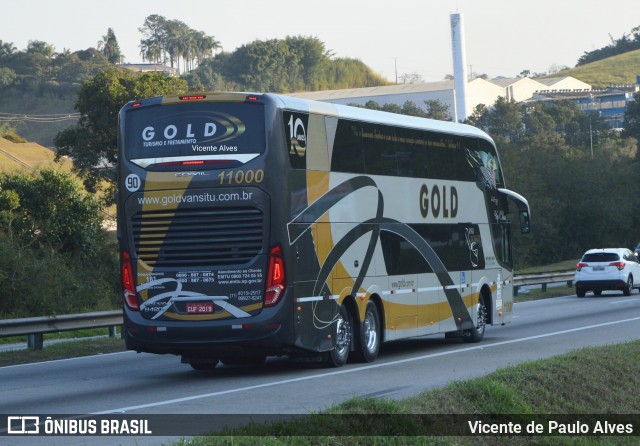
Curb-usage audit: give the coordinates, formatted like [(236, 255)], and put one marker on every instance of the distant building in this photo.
[(478, 91), (563, 83), (610, 103), (150, 68)]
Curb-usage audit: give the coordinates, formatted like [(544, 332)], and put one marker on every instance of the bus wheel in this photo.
[(343, 333), (476, 333), (369, 344)]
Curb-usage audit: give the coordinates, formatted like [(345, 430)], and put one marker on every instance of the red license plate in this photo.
[(199, 307)]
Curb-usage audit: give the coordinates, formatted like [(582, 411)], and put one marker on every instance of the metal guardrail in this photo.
[(543, 279), (35, 327)]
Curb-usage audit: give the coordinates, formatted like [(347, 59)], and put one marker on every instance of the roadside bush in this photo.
[(45, 283), (53, 213), (55, 257)]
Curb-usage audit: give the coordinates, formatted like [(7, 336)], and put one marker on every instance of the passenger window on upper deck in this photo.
[(379, 144), (348, 153)]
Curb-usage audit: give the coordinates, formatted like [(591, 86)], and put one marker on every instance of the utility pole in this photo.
[(395, 61)]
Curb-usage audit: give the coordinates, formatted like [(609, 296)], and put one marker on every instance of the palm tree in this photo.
[(206, 46), (174, 30), (40, 47), (110, 48), (150, 50), (153, 46), (185, 47), (174, 40), (7, 48)]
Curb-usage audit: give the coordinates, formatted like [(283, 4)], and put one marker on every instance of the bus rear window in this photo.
[(211, 132)]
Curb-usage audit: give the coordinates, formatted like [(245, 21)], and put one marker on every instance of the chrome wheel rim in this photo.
[(370, 332), (482, 317), (343, 334)]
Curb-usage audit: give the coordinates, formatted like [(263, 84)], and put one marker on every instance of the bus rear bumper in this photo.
[(207, 338)]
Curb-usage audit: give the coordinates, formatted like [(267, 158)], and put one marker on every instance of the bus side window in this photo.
[(348, 153), (401, 257), (501, 237), (379, 150)]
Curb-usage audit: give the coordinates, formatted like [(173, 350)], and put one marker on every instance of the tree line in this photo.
[(433, 109), (626, 43), (172, 41), (278, 65)]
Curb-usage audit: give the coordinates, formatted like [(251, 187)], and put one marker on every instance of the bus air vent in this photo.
[(198, 237)]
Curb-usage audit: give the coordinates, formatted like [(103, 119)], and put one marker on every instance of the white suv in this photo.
[(607, 269)]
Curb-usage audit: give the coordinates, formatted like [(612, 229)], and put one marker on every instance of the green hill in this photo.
[(621, 69), (29, 156), (24, 157), (39, 125)]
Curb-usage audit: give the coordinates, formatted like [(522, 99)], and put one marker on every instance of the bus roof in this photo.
[(379, 117), (340, 111)]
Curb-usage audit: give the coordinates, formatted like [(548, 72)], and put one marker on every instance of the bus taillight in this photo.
[(275, 277), (193, 97), (128, 284), (193, 163)]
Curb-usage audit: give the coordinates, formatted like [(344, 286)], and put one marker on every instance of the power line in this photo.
[(58, 117)]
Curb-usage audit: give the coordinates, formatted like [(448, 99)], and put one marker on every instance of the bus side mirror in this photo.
[(525, 222), (523, 207)]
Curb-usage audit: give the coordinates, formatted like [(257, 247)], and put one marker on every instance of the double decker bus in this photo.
[(255, 225)]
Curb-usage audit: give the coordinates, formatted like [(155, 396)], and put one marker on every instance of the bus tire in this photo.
[(343, 334), (369, 334), (476, 333)]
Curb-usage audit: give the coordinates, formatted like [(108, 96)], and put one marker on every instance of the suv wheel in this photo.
[(627, 289)]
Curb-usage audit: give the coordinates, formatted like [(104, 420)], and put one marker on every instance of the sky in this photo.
[(502, 37)]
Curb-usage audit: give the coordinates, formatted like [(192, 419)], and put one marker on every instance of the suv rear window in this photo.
[(601, 257)]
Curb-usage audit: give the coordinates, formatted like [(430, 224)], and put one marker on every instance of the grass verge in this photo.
[(63, 350), (537, 293), (566, 265), (571, 388), (68, 335)]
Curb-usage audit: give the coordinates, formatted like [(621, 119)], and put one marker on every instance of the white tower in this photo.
[(459, 68)]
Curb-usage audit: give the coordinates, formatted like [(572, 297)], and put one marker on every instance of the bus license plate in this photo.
[(200, 307)]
